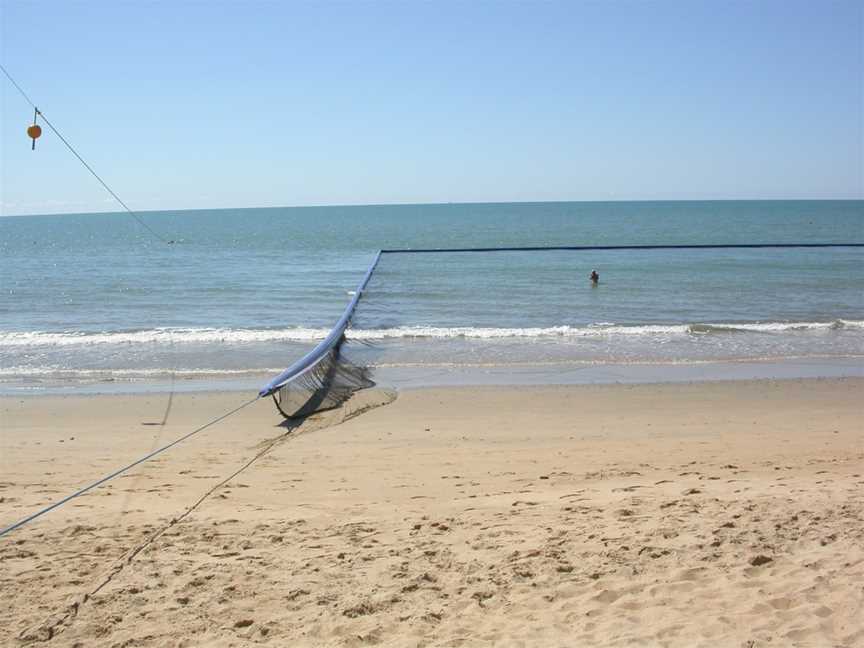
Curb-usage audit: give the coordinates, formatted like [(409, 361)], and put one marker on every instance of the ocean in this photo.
[(93, 302)]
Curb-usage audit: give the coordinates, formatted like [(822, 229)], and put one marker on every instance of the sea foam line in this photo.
[(49, 372), (241, 336)]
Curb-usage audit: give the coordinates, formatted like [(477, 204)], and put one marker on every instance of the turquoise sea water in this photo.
[(92, 297)]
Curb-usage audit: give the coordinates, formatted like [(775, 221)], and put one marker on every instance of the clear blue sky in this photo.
[(240, 104)]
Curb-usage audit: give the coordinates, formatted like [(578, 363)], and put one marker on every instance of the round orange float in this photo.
[(34, 131)]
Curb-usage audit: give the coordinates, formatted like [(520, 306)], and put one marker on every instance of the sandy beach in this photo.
[(710, 514)]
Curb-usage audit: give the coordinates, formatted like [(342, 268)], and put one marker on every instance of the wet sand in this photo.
[(714, 514)]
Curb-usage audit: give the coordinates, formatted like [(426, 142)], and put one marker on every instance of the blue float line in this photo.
[(308, 361)]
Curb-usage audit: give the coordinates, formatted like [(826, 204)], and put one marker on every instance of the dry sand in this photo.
[(724, 514)]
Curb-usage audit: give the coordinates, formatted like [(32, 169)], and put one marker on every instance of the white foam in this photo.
[(159, 336), (528, 332), (240, 336), (602, 330)]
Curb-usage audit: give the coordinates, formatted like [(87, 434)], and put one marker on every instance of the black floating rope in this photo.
[(583, 248)]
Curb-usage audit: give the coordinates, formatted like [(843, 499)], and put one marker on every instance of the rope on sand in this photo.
[(120, 471), (57, 622)]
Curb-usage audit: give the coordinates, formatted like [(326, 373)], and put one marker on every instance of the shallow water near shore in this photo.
[(459, 375)]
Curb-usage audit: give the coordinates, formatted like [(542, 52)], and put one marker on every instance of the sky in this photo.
[(185, 105)]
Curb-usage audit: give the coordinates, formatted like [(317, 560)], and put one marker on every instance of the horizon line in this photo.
[(439, 203)]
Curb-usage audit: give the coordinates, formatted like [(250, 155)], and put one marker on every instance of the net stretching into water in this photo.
[(324, 378)]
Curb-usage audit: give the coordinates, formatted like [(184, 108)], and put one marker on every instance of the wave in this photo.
[(11, 339), (159, 335), (776, 327), (605, 329)]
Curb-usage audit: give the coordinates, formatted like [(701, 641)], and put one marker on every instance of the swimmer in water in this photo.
[(595, 278)]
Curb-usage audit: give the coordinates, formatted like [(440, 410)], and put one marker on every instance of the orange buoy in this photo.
[(34, 131)]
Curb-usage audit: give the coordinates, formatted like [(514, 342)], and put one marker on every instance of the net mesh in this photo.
[(326, 385), (324, 378)]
